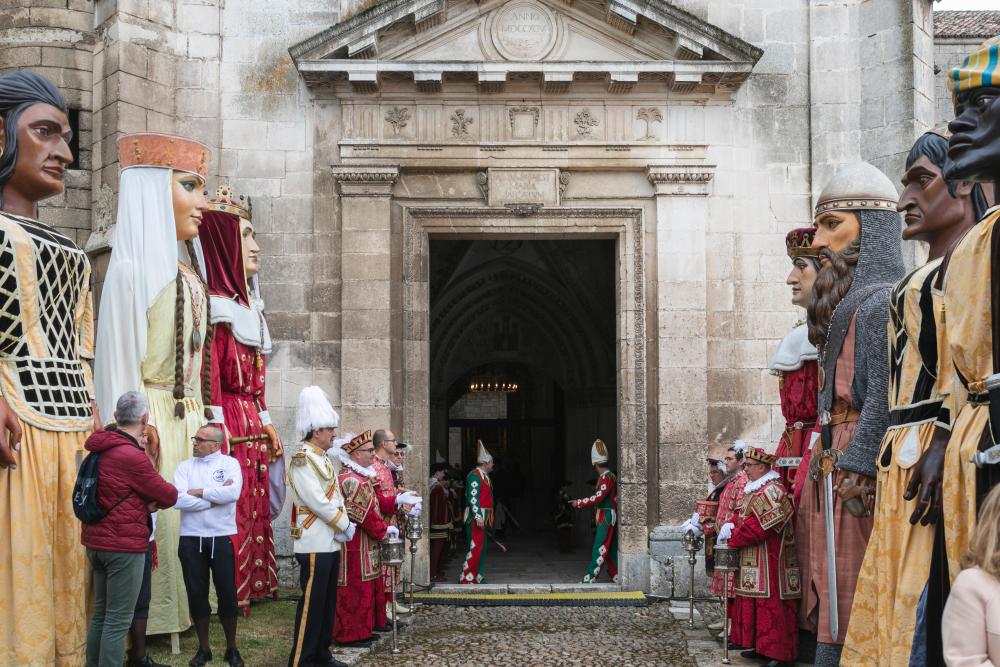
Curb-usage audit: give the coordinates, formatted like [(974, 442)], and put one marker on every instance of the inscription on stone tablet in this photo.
[(524, 186), (524, 31)]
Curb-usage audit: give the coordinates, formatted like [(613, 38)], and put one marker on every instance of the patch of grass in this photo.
[(264, 639)]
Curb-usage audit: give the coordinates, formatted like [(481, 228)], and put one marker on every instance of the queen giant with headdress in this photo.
[(240, 343), (153, 331)]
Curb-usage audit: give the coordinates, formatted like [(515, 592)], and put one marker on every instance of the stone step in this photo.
[(524, 589)]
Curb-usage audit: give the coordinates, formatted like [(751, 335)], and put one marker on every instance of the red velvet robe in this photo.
[(729, 507), (238, 386), (798, 390), (385, 492), (360, 566), (764, 612)]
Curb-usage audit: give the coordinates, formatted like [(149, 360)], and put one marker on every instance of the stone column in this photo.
[(682, 402), (366, 273)]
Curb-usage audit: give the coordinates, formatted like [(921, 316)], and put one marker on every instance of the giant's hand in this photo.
[(11, 427), (927, 479), (275, 450), (153, 445), (854, 486), (98, 426)]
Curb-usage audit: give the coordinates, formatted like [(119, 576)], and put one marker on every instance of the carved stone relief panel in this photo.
[(523, 121)]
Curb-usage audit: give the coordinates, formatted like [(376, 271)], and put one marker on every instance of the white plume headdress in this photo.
[(598, 452), (484, 456), (315, 411)]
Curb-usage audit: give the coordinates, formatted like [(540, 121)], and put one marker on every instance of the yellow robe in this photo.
[(898, 558), (968, 304), (44, 575), (168, 608)]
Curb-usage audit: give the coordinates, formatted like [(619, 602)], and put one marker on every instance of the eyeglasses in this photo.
[(367, 450), (197, 439)]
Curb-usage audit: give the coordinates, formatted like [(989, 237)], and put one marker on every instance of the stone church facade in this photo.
[(690, 134)]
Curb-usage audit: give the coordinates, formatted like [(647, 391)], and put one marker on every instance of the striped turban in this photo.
[(981, 68)]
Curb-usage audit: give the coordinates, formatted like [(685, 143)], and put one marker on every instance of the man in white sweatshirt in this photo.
[(208, 486)]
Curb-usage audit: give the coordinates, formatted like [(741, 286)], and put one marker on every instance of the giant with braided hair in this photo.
[(153, 329)]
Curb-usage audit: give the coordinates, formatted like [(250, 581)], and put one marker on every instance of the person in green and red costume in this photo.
[(478, 515), (605, 504)]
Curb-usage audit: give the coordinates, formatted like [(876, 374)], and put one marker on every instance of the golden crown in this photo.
[(225, 201)]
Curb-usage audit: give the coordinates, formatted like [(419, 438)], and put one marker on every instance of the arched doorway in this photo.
[(522, 356)]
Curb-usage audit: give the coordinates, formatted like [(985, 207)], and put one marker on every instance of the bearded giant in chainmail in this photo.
[(858, 243)]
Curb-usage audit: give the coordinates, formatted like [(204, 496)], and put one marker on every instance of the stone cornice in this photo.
[(505, 212), (681, 179), (358, 174)]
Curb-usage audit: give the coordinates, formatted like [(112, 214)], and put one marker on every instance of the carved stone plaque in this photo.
[(524, 30), (523, 186)]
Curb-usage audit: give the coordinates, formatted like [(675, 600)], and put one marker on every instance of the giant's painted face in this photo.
[(835, 230), (187, 192), (801, 279), (974, 147), (251, 251), (927, 206), (43, 136)]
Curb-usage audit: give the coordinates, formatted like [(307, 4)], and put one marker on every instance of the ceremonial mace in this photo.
[(692, 544), (727, 560), (413, 533), (392, 555)]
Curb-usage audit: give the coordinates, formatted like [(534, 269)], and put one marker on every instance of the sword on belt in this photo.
[(829, 457)]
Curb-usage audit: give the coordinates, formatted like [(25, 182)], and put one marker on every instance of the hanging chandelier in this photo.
[(492, 386)]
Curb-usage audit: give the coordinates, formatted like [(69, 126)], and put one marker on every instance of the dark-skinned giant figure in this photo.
[(897, 570), (972, 303)]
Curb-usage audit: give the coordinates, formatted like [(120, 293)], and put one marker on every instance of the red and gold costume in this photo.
[(239, 345), (385, 493), (358, 604), (729, 506), (768, 583)]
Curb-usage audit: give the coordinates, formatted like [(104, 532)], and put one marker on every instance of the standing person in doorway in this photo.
[(605, 504), (478, 515)]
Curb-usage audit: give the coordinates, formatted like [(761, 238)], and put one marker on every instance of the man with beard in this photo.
[(972, 303), (857, 240), (885, 630)]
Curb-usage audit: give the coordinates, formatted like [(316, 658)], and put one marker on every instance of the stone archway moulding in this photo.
[(626, 225)]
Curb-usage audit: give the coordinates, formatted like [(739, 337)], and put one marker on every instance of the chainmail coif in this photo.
[(880, 265)]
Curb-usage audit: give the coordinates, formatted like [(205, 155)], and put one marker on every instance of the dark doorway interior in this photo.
[(523, 358)]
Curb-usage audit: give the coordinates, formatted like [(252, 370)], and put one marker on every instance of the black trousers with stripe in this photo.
[(314, 614)]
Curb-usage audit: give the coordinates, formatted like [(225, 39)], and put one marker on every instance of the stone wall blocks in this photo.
[(680, 296), (203, 47), (632, 504), (676, 501), (365, 295), (367, 353), (682, 463), (727, 385), (720, 295), (247, 134), (367, 387), (681, 324), (288, 326), (291, 215), (729, 422), (14, 17), (71, 58), (59, 16), (264, 164), (198, 19), (777, 59), (294, 269), (364, 242), (678, 353), (326, 326), (286, 136), (257, 187), (682, 385), (679, 422), (326, 354)]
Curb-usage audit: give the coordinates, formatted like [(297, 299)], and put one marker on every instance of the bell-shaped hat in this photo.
[(315, 411), (858, 186), (598, 452), (483, 455), (357, 442)]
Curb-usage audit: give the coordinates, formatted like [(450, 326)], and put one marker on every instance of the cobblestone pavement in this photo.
[(451, 636)]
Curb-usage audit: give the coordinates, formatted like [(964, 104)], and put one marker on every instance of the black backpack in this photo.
[(85, 505)]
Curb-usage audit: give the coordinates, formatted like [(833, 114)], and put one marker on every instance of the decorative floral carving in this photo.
[(483, 181), (649, 115), (563, 183), (585, 123), (398, 117), (460, 123), (523, 209)]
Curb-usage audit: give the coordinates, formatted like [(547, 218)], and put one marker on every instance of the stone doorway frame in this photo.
[(627, 227)]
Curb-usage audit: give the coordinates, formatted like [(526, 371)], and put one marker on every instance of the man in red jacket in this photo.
[(128, 489)]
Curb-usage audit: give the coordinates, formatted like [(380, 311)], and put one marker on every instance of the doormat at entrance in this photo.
[(596, 599)]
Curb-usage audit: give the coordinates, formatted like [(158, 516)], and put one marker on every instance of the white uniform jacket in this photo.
[(318, 507)]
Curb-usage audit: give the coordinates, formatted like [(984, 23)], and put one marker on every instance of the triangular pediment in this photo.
[(433, 38)]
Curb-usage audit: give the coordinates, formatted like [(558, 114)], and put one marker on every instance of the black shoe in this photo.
[(201, 658), (144, 661), (329, 662), (385, 628), (233, 657), (734, 647), (751, 654), (776, 663)]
